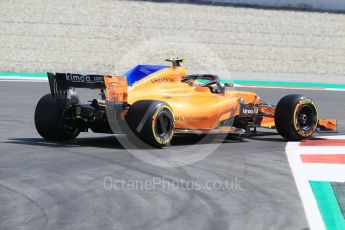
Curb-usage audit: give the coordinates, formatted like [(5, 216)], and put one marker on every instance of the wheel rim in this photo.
[(163, 124), (306, 117)]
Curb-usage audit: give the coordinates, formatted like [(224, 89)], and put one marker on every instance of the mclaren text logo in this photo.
[(162, 80)]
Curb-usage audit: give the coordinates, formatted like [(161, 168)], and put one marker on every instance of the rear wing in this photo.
[(113, 88)]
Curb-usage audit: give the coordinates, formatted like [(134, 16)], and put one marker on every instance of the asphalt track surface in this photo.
[(62, 186)]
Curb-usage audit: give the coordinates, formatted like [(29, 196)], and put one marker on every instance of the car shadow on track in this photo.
[(99, 142), (111, 142), (267, 136)]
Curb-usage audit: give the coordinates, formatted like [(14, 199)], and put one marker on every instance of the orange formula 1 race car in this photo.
[(156, 102)]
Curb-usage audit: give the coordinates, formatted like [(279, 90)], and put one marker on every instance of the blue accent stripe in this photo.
[(141, 71)]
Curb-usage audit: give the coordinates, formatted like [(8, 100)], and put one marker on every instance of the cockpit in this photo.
[(204, 80)]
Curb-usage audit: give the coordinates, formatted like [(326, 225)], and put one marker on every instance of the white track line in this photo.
[(39, 79), (292, 88), (305, 172), (307, 196), (325, 172), (23, 79)]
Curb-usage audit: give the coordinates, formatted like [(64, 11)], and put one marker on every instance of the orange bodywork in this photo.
[(267, 122), (328, 125), (194, 107), (116, 88)]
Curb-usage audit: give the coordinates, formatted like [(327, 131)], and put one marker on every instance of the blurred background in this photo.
[(109, 37)]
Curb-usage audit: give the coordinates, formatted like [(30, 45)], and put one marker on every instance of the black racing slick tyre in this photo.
[(48, 121), (152, 121), (296, 117)]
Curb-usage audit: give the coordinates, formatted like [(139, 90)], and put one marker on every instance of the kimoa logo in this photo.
[(81, 78), (75, 78), (162, 80)]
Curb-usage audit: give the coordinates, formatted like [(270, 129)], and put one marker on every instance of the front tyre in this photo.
[(48, 122), (296, 117), (152, 121)]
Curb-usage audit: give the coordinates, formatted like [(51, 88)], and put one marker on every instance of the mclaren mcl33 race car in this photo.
[(153, 103)]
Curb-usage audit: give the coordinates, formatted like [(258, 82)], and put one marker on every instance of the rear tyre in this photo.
[(296, 117), (48, 121), (151, 121)]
